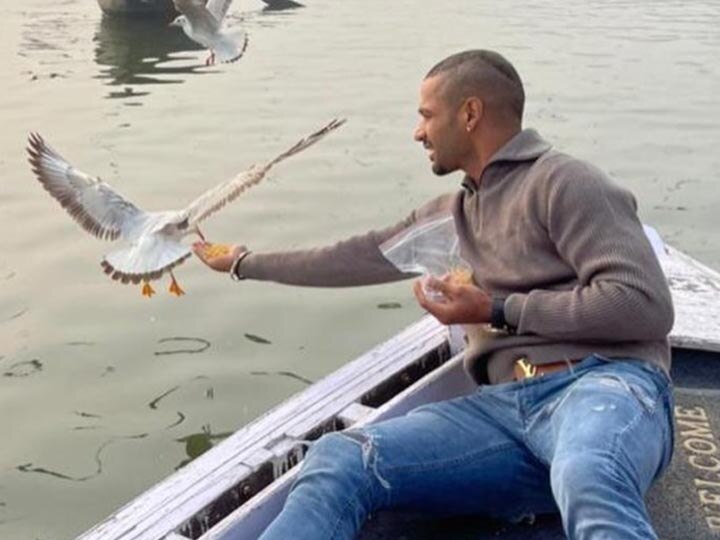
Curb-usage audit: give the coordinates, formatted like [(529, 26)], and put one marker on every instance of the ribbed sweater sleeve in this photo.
[(351, 262), (622, 294)]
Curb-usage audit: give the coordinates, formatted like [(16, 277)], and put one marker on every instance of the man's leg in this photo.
[(459, 456), (612, 436)]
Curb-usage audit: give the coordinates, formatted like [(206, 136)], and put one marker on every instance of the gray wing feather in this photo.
[(214, 199), (200, 18), (92, 203), (218, 8)]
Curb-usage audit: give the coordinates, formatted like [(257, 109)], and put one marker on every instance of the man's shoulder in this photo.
[(442, 204), (557, 161), (558, 169)]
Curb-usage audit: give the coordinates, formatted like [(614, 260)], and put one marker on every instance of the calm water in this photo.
[(104, 392)]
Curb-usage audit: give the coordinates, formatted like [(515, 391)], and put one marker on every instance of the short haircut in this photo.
[(485, 74)]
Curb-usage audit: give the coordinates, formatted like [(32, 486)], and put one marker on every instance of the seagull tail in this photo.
[(134, 264), (307, 142), (228, 50)]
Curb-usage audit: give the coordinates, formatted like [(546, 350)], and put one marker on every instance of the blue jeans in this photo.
[(586, 442)]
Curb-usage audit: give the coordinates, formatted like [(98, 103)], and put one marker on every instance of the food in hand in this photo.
[(461, 276), (211, 251), (477, 336)]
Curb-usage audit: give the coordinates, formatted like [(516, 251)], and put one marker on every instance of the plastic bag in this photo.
[(432, 248), (428, 248)]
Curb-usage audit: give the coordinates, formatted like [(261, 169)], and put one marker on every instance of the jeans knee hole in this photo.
[(369, 452)]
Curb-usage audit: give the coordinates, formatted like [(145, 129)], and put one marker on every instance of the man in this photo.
[(574, 409)]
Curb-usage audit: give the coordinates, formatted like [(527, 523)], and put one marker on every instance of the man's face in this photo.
[(439, 128)]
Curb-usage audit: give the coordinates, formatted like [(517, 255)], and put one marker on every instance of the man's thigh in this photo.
[(458, 457), (618, 414)]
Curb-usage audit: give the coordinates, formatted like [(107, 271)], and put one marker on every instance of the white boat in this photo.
[(148, 8), (140, 8), (235, 489)]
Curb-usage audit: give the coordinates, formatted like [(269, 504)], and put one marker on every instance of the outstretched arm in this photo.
[(351, 262)]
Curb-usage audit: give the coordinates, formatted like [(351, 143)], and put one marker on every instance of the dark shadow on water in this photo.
[(135, 51)]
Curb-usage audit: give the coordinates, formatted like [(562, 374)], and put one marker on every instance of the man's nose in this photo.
[(419, 134)]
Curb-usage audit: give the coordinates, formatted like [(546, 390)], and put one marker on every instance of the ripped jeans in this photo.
[(586, 443)]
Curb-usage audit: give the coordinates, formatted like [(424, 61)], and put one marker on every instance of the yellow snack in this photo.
[(461, 276), (477, 336), (210, 251)]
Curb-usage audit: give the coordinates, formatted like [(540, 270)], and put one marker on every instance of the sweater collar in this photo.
[(525, 146)]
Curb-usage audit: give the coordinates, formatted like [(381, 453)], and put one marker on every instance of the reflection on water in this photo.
[(180, 420), (202, 345), (30, 468), (154, 403), (140, 51), (24, 368), (389, 305), (258, 339), (289, 374)]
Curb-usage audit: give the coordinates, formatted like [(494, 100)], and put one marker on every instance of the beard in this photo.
[(440, 170), (444, 160)]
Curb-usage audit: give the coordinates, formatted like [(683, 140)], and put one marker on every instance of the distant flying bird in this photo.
[(202, 23), (154, 238)]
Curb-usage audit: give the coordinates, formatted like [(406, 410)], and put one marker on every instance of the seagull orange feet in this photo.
[(174, 287), (147, 290)]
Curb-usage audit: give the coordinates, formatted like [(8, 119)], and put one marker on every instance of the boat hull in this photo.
[(137, 8)]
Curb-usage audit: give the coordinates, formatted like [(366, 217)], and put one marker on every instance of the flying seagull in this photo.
[(201, 22), (154, 238)]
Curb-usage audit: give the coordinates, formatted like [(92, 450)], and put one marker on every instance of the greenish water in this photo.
[(104, 392)]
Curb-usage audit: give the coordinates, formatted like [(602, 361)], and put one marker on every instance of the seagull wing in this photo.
[(91, 202), (214, 199), (147, 259), (218, 8), (197, 13)]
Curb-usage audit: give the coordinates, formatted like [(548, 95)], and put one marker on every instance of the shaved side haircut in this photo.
[(484, 74)]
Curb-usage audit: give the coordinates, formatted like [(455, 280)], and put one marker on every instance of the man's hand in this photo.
[(458, 304), (218, 256)]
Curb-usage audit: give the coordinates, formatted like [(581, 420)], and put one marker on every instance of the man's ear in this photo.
[(473, 109)]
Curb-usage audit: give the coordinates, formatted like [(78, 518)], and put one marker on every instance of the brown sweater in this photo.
[(550, 233)]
